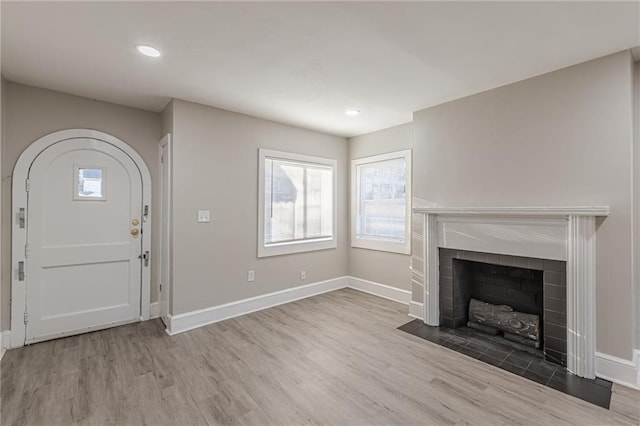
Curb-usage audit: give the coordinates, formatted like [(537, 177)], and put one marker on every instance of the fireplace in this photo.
[(563, 238), (531, 286)]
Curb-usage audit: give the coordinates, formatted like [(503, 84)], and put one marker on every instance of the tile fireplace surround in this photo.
[(556, 233)]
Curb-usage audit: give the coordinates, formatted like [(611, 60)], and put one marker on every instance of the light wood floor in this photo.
[(332, 359)]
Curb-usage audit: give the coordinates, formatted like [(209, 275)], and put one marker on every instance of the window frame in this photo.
[(373, 243), (301, 246)]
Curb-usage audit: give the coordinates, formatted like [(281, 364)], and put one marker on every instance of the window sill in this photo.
[(297, 247), (379, 245)]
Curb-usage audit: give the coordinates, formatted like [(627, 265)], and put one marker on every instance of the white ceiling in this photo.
[(304, 63)]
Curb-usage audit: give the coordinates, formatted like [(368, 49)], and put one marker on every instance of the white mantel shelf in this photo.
[(516, 211)]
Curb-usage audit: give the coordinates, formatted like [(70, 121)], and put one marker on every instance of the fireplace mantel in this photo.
[(517, 211), (560, 233)]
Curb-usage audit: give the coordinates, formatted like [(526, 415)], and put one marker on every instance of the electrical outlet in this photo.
[(303, 275), (251, 276)]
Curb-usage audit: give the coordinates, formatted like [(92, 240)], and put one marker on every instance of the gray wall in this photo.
[(215, 159), (32, 113), (167, 119), (383, 267), (563, 138)]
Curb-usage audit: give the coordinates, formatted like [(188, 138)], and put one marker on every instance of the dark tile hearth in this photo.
[(475, 344)]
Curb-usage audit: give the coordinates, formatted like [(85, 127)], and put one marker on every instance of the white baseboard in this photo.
[(416, 310), (190, 320), (14, 340), (636, 361), (618, 370), (5, 342), (154, 310), (380, 290)]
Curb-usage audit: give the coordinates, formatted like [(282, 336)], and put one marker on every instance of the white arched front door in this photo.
[(85, 255)]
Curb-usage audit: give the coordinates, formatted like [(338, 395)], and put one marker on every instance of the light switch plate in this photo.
[(204, 216)]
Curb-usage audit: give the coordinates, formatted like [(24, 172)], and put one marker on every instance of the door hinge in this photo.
[(21, 274), (26, 185), (162, 159), (26, 317), (26, 250), (21, 217), (161, 287)]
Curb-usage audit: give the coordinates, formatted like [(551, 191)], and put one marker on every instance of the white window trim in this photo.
[(370, 243), (296, 246)]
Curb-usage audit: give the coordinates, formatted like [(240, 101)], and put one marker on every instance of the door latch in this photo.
[(145, 258)]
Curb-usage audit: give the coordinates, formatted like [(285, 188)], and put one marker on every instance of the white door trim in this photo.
[(164, 247), (19, 233)]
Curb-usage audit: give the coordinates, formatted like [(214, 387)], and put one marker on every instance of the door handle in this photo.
[(135, 232)]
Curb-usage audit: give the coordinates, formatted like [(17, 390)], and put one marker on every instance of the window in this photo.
[(381, 202), (89, 183), (297, 203)]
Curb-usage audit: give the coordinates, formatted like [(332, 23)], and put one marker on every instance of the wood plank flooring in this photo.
[(333, 359)]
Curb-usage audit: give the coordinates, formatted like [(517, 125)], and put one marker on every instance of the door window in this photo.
[(90, 183)]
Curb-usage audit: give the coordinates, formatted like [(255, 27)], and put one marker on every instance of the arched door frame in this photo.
[(19, 225)]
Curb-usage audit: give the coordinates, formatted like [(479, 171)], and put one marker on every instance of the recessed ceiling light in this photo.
[(148, 50), (352, 112)]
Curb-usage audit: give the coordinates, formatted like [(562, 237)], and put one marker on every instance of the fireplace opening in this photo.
[(511, 300), (499, 300)]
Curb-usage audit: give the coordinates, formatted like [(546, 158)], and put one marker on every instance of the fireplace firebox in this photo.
[(531, 288)]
